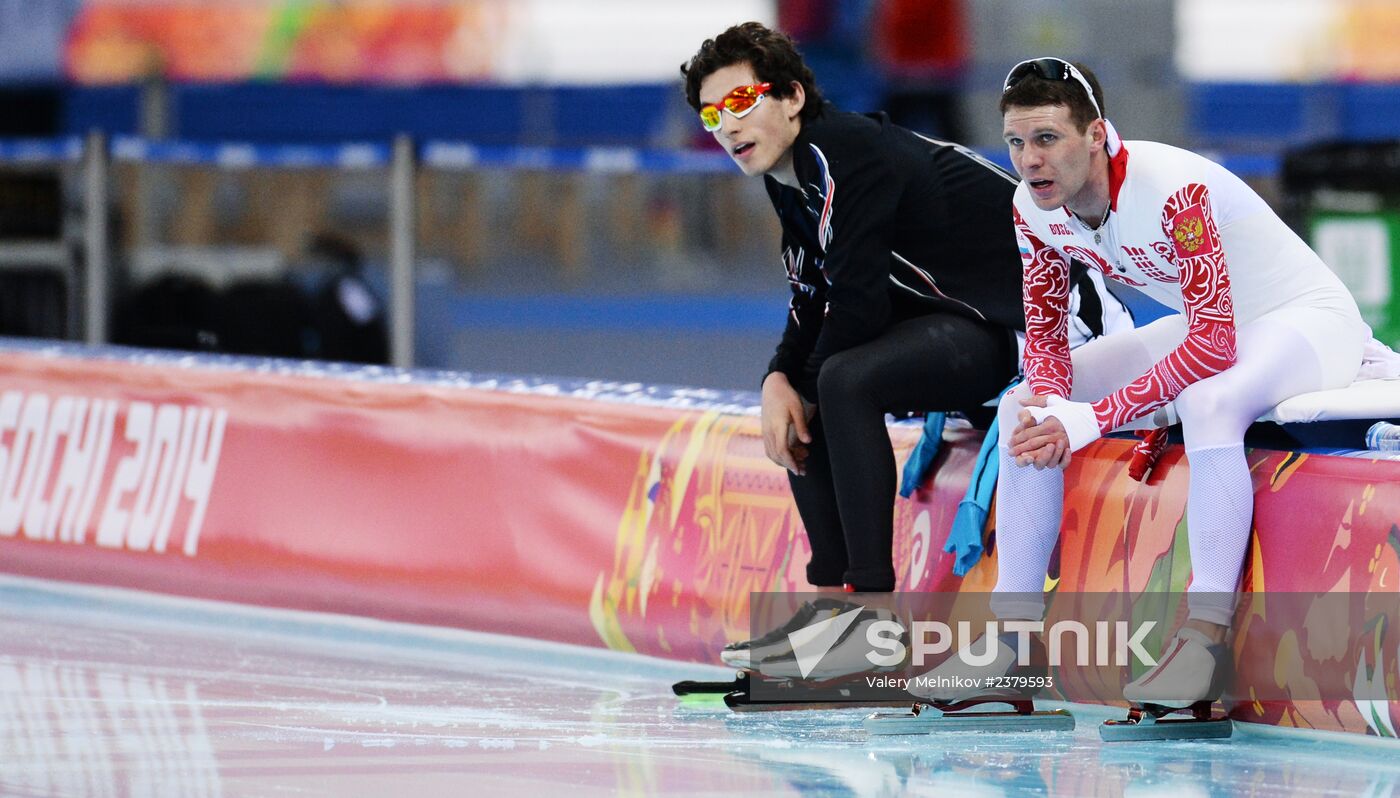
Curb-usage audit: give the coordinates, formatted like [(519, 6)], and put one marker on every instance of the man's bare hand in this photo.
[(784, 421), (1041, 444)]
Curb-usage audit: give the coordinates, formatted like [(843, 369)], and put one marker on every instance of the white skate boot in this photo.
[(986, 672), (1189, 677)]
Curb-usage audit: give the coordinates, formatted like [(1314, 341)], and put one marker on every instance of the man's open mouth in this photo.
[(740, 149)]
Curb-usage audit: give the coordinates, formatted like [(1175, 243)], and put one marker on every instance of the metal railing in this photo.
[(96, 154)]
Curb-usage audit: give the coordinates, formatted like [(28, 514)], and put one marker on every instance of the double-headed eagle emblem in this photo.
[(1190, 233)]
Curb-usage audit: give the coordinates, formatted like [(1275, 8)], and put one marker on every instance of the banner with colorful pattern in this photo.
[(591, 515), (392, 41)]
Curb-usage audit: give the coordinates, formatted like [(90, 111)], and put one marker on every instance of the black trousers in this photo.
[(938, 362)]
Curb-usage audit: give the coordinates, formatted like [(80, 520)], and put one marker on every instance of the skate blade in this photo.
[(717, 689), (931, 721), (1122, 731), (740, 701)]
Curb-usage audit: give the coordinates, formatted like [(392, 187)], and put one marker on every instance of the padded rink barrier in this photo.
[(634, 517)]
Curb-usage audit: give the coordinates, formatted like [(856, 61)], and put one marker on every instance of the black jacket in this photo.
[(890, 225)]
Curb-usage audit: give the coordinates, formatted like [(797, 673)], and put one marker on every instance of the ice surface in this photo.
[(106, 692)]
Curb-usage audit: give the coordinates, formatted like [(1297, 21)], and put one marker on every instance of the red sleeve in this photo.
[(1045, 295), (1209, 347)]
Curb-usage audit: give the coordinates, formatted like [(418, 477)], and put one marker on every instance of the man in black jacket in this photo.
[(906, 287)]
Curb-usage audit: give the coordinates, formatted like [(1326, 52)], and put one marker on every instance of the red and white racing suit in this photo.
[(1261, 319), (1186, 232)]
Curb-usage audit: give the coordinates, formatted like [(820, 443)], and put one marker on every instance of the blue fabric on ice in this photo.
[(916, 467)]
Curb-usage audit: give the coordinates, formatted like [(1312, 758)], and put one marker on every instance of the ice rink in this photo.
[(106, 692)]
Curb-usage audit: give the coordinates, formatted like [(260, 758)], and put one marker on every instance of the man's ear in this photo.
[(796, 101), (1098, 130)]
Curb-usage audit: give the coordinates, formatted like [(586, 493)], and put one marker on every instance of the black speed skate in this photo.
[(744, 655), (825, 667), (747, 653)]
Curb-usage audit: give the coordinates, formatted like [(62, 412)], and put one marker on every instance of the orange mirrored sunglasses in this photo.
[(738, 102)]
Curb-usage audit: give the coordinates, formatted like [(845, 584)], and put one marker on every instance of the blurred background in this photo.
[(518, 186)]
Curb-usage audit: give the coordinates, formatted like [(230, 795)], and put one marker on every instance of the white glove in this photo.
[(1078, 418)]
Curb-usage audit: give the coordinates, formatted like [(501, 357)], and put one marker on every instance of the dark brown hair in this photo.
[(1033, 91), (772, 55)]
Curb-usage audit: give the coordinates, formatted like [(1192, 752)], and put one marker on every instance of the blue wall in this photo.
[(1275, 115), (281, 112)]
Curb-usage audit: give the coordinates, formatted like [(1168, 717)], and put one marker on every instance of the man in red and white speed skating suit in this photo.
[(1261, 319)]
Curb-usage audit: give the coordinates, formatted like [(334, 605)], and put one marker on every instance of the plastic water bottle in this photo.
[(1383, 436)]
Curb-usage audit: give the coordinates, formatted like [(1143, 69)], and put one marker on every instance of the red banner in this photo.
[(459, 507)]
